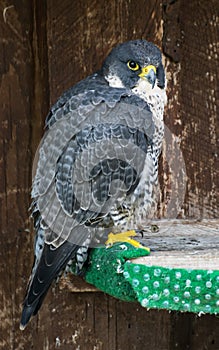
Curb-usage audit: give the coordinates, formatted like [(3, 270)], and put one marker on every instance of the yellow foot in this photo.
[(125, 237)]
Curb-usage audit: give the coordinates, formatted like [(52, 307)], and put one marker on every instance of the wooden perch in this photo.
[(181, 273), (183, 243)]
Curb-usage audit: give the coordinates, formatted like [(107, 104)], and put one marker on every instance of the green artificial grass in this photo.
[(111, 271)]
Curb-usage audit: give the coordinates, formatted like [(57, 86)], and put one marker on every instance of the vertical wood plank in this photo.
[(45, 47), (191, 47), (16, 98)]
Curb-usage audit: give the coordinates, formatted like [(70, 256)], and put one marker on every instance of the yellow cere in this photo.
[(146, 70)]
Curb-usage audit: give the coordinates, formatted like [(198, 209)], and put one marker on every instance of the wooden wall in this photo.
[(47, 46)]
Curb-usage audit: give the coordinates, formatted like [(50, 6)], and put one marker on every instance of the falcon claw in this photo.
[(153, 228), (124, 237)]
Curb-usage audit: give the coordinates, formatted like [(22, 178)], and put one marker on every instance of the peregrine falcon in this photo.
[(97, 163)]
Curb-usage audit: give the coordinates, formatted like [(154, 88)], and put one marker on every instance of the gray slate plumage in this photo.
[(97, 164)]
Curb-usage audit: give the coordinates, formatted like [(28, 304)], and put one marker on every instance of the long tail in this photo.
[(52, 261)]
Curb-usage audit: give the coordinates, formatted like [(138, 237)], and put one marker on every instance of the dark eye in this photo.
[(133, 65)]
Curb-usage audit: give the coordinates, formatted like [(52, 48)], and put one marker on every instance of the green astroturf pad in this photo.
[(106, 271), (174, 289), (111, 271)]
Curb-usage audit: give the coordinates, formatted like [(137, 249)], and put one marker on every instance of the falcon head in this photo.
[(130, 62)]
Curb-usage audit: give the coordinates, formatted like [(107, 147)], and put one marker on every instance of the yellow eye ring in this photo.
[(133, 65)]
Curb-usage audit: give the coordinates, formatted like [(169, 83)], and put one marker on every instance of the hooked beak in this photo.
[(149, 73)]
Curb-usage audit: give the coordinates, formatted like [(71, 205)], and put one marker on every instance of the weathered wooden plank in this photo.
[(16, 97), (203, 260), (183, 244), (79, 35), (186, 244), (75, 284), (191, 114), (21, 106)]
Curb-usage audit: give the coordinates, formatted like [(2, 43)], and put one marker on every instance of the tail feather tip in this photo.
[(22, 326)]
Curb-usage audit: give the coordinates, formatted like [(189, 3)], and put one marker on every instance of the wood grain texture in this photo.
[(81, 34), (16, 98), (183, 244), (45, 47), (191, 46)]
